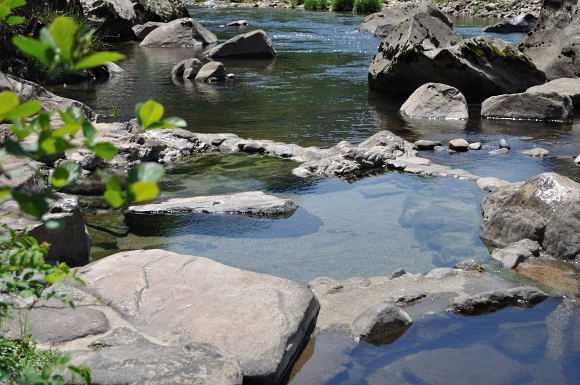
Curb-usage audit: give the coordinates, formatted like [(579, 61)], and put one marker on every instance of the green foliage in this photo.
[(6, 7), (366, 6), (150, 115), (342, 5), (315, 5)]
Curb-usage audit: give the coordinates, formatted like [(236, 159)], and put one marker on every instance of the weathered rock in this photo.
[(545, 209), (21, 175), (383, 22), (69, 243), (113, 18), (475, 146), (491, 183), (142, 30), (470, 265), (458, 144), (381, 324), (184, 32), (435, 101), (495, 300), (426, 145), (423, 49), (537, 152), (261, 321), (144, 362), (405, 297), (521, 23), (210, 70), (27, 90), (516, 253), (238, 23), (528, 106), (504, 144), (160, 10), (398, 273), (88, 160), (441, 272), (253, 203), (252, 45), (194, 65), (499, 151), (564, 86), (553, 44)]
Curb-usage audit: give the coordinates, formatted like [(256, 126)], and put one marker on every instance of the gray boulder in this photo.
[(213, 69), (545, 209), (142, 30), (383, 22), (435, 101), (495, 300), (459, 144), (160, 10), (553, 44), (426, 145), (491, 183), (423, 49), (184, 32), (563, 86), (192, 66), (521, 23), (381, 324), (516, 253), (253, 203), (113, 18), (528, 106), (252, 45), (259, 320)]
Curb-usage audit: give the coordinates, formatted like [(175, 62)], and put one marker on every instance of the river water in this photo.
[(315, 93)]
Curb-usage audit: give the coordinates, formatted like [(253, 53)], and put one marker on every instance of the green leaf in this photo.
[(104, 149), (24, 110), (64, 33), (90, 133), (14, 3), (14, 148), (15, 20), (33, 204), (50, 144), (143, 191), (8, 101), (32, 47), (98, 59), (113, 192), (4, 192), (145, 172), (67, 129), (65, 173), (169, 123), (4, 11), (150, 112)]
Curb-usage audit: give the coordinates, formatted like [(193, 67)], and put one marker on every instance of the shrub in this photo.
[(315, 5), (342, 5), (367, 6)]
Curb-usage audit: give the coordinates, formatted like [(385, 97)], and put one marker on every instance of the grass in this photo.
[(367, 6), (342, 5), (315, 5), (15, 356)]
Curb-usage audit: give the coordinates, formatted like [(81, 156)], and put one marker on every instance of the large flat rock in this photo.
[(252, 203), (261, 321)]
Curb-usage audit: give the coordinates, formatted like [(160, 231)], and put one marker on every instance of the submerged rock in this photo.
[(383, 22), (184, 32), (553, 43), (253, 203), (528, 106), (435, 101), (238, 23), (192, 66), (521, 23), (537, 152), (495, 300), (381, 324), (252, 45), (423, 49)]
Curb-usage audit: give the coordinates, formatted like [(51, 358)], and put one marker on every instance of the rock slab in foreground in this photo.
[(563, 86), (260, 320), (252, 45), (545, 209), (435, 101), (252, 203), (528, 106)]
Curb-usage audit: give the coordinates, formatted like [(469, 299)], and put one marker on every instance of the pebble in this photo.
[(504, 144), (475, 146)]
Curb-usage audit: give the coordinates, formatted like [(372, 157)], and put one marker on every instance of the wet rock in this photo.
[(545, 209), (238, 23), (381, 324), (259, 320), (383, 22), (470, 265), (565, 86), (495, 300), (577, 160), (460, 145), (423, 49), (491, 183), (210, 70), (516, 253), (528, 106), (435, 101), (142, 30), (504, 144), (184, 32), (553, 43), (252, 45), (521, 23), (113, 18), (253, 203), (144, 362), (398, 273), (500, 151), (70, 242), (27, 90), (426, 145), (474, 146), (396, 164), (193, 65), (537, 152)]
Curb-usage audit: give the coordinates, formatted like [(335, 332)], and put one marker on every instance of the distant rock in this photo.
[(537, 152), (238, 23), (460, 145), (184, 32), (499, 151), (553, 43), (427, 145), (435, 101), (253, 203), (424, 49), (211, 70), (381, 324), (528, 106), (491, 183), (495, 300), (475, 146), (252, 45), (563, 86), (504, 144), (192, 66), (521, 23), (112, 18), (142, 30)]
